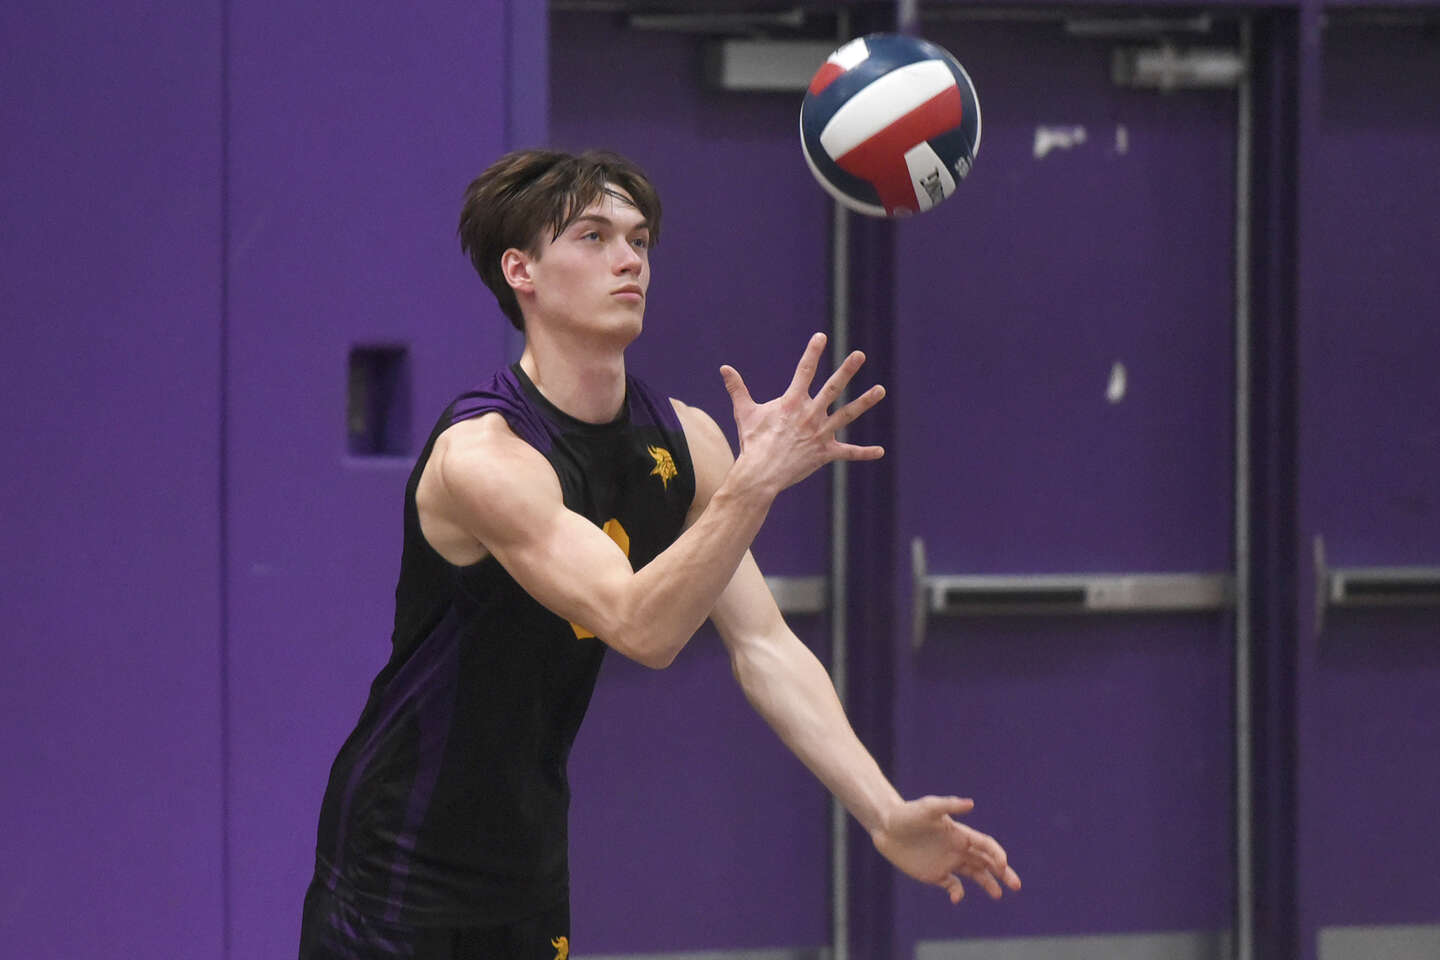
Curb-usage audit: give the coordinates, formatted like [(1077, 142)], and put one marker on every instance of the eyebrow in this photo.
[(603, 221)]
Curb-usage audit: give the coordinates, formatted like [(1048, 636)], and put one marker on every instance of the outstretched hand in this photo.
[(922, 839), (793, 435)]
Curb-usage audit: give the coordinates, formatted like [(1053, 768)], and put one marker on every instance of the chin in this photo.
[(613, 331), (628, 327)]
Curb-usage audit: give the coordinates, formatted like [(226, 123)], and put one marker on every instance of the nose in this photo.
[(628, 261)]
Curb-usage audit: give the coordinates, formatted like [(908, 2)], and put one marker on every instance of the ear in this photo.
[(515, 266)]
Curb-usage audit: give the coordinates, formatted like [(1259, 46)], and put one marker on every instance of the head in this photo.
[(527, 199)]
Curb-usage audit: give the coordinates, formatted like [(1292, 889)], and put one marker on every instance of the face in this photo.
[(594, 277)]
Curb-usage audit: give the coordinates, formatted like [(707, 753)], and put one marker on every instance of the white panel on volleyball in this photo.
[(932, 182), (851, 54), (879, 104)]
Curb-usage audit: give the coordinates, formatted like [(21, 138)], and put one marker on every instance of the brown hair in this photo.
[(527, 190)]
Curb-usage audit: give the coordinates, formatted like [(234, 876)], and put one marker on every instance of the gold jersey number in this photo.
[(616, 532)]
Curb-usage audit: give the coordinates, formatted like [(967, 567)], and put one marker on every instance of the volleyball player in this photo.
[(558, 510)]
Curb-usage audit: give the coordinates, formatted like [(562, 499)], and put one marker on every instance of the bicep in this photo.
[(507, 496)]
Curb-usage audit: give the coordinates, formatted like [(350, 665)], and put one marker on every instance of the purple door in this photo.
[(692, 828), (1064, 396), (1368, 681)]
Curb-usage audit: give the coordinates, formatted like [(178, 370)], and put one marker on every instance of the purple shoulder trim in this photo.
[(649, 408), (503, 395)]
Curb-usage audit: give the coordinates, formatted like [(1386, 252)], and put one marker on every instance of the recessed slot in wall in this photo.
[(377, 402)]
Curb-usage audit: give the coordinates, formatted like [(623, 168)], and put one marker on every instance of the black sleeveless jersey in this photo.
[(448, 803)]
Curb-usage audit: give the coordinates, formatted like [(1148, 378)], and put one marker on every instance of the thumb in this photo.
[(739, 394), (951, 805), (954, 887)]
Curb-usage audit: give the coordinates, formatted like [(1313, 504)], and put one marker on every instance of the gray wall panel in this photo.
[(1185, 945), (1418, 942)]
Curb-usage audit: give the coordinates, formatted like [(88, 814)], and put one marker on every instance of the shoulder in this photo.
[(484, 450), (480, 468), (702, 433), (709, 451)]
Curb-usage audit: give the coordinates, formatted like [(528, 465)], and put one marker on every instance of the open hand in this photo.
[(792, 436), (923, 839)]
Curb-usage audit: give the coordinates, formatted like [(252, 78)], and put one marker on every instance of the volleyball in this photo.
[(890, 124)]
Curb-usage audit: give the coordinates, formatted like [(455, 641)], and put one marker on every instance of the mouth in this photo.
[(630, 291)]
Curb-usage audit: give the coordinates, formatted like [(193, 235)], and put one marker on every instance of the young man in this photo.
[(560, 509)]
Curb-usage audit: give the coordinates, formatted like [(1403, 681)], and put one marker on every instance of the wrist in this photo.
[(747, 485), (880, 814)]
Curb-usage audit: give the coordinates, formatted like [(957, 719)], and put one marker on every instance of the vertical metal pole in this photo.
[(839, 552), (839, 595), (907, 16), (1244, 788)]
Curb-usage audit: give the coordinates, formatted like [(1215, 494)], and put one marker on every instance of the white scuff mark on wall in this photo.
[(1122, 138), (1115, 389), (1057, 138)]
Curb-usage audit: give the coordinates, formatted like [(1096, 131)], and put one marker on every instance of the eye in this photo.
[(590, 235), (641, 243)]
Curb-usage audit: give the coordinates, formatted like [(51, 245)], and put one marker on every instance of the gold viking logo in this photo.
[(562, 947), (664, 466)]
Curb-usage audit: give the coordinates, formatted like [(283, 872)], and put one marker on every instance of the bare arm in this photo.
[(499, 491), (790, 689)]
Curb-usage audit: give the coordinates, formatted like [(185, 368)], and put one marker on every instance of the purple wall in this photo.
[(351, 141), (211, 206), (197, 574), (110, 694)]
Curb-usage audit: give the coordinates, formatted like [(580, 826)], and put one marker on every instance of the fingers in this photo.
[(996, 869), (849, 413), (809, 362), (988, 882), (987, 850), (849, 451), (954, 887), (835, 384)]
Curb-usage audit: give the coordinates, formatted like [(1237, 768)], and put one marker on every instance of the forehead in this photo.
[(615, 205)]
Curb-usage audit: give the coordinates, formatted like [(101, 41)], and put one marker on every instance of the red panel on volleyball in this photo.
[(880, 160)]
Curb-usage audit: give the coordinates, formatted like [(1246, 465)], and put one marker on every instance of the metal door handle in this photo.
[(1371, 586), (989, 595), (799, 594)]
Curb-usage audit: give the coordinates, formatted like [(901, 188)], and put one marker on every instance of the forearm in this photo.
[(666, 601), (790, 689)]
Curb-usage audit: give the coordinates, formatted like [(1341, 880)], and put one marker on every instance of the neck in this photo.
[(589, 386)]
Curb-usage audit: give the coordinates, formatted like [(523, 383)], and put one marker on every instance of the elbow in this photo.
[(647, 643), (658, 660), (653, 652), (654, 659)]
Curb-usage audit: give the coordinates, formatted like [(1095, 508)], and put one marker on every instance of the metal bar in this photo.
[(799, 594), (1244, 692), (1077, 593), (1059, 594), (1383, 587), (1350, 587), (920, 595)]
